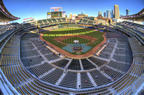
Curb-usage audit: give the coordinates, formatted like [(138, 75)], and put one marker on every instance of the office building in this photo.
[(127, 12), (99, 13), (108, 14), (116, 12), (104, 14)]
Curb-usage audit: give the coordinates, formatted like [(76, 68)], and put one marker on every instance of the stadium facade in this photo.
[(30, 65)]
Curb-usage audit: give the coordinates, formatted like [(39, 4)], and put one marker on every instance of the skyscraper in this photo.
[(104, 14), (108, 14), (112, 14), (127, 12), (116, 12), (99, 13)]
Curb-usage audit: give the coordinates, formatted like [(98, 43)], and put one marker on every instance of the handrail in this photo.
[(7, 86), (131, 87)]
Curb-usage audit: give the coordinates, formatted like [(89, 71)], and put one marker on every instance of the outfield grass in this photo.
[(68, 34), (98, 35), (50, 36), (66, 31)]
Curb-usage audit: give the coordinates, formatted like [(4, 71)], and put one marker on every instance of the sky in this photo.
[(38, 8)]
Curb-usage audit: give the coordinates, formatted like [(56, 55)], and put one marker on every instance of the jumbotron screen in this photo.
[(56, 14)]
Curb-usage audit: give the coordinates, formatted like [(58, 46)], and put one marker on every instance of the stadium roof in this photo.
[(5, 15)]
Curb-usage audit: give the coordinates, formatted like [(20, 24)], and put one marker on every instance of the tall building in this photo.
[(127, 12), (112, 14), (116, 12), (104, 14), (108, 14), (99, 13)]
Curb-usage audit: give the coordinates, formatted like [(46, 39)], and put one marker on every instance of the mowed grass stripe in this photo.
[(71, 40), (67, 31), (69, 34)]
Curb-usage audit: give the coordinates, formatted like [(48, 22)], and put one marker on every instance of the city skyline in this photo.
[(38, 9), (72, 47)]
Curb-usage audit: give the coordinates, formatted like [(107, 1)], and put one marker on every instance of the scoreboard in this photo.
[(55, 14)]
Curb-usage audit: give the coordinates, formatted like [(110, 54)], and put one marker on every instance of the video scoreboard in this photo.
[(55, 14)]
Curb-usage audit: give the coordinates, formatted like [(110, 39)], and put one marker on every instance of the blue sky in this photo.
[(39, 8)]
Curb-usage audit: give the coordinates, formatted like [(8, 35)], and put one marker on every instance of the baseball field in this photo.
[(61, 37)]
